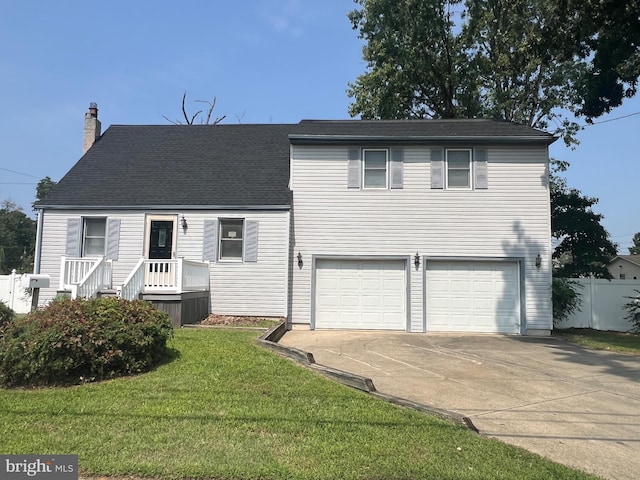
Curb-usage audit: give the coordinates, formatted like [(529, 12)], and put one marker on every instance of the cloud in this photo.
[(284, 17)]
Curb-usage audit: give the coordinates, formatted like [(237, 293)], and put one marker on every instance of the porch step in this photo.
[(107, 292)]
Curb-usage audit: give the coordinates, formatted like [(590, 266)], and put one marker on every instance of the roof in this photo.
[(635, 259), (179, 166), (242, 165), (476, 131)]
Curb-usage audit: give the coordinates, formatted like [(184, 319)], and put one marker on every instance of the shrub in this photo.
[(75, 341), (633, 311), (6, 315), (565, 297)]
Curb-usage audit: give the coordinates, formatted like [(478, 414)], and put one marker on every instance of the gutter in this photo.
[(298, 139)]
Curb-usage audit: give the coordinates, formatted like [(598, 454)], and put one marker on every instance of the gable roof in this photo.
[(635, 259), (244, 165), (180, 166)]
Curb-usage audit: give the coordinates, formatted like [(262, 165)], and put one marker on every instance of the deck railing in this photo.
[(84, 277), (175, 275), (134, 284)]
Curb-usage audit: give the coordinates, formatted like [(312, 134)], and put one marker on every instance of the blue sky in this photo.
[(266, 61)]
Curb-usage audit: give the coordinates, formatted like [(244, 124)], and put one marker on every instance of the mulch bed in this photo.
[(238, 321)]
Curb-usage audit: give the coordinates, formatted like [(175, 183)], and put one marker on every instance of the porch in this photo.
[(178, 286)]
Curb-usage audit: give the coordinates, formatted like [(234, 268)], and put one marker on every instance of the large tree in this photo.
[(17, 239), (530, 61), (583, 246), (635, 248)]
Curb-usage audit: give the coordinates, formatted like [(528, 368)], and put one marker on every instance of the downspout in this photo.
[(37, 253)]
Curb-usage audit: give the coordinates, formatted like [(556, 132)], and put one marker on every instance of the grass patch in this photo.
[(621, 342), (228, 409)]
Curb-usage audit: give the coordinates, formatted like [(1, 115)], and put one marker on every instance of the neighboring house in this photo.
[(420, 225), (625, 267)]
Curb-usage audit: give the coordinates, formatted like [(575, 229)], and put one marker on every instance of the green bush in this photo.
[(633, 311), (565, 297), (6, 315), (76, 341)]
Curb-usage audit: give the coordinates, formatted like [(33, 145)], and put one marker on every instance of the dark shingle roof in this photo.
[(236, 165), (418, 131), (180, 165)]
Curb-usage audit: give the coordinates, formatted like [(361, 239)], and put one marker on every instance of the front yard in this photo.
[(620, 342), (225, 408)]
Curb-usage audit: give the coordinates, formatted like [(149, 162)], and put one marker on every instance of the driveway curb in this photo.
[(271, 337)]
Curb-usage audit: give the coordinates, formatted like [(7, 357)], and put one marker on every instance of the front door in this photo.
[(161, 239), (160, 249)]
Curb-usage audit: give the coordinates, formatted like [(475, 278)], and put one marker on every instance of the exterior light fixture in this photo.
[(416, 260), (183, 222), (300, 260), (538, 261)]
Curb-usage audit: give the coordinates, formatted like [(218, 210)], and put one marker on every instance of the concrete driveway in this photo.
[(576, 406)]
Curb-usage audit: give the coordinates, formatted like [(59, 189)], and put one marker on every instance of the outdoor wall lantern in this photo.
[(416, 260), (538, 261), (300, 260), (183, 222)]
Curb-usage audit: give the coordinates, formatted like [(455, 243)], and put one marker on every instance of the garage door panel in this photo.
[(482, 296), (365, 294)]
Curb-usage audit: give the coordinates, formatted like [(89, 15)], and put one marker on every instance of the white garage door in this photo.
[(363, 294), (481, 297)]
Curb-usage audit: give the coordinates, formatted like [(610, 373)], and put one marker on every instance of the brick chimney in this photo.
[(92, 127)]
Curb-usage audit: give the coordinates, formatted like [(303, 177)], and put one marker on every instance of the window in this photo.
[(458, 168), (231, 235), (93, 237), (623, 276), (375, 169)]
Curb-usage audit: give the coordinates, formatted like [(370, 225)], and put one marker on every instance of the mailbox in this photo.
[(39, 281)]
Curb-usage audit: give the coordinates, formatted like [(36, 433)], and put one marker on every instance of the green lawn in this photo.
[(227, 409), (613, 341)]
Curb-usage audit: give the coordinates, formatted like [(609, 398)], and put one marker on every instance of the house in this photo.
[(413, 225), (625, 267)]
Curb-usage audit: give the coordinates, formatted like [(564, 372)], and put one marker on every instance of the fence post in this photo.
[(592, 294), (12, 289)]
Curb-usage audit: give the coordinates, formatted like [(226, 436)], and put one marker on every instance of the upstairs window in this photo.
[(375, 169), (459, 169)]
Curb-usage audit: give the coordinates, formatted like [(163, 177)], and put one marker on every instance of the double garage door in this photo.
[(460, 296)]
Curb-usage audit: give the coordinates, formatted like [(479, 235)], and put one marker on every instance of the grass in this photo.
[(225, 408), (620, 342)]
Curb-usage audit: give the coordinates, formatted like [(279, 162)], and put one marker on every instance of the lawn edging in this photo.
[(271, 337)]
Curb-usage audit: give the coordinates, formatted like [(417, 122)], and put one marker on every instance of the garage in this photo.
[(478, 296), (360, 294)]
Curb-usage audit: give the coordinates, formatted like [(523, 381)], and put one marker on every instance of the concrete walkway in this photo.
[(576, 406)]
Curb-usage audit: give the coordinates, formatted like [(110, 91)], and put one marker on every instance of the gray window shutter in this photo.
[(251, 241), (353, 175), (480, 170), (74, 230), (437, 168), (113, 238), (397, 170), (210, 241)]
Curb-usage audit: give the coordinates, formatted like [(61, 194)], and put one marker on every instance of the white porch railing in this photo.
[(167, 276), (134, 284), (84, 277)]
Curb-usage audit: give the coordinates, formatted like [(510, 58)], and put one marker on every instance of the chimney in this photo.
[(92, 127)]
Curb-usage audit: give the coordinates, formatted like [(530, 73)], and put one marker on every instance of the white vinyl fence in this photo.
[(603, 304), (14, 293)]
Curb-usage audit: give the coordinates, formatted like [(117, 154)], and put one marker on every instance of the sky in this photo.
[(265, 61)]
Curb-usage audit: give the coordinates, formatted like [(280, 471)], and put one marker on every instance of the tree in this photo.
[(635, 249), (583, 245), (524, 60), (191, 119), (44, 185), (17, 239)]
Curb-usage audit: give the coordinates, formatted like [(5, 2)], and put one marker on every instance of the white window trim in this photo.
[(386, 168), (221, 221), (446, 168), (83, 253)]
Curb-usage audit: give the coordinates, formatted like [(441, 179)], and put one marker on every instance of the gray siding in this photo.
[(509, 219), (237, 288)]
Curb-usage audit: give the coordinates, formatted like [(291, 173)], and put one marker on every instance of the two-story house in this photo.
[(416, 225)]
